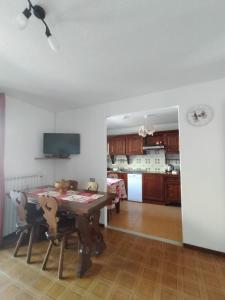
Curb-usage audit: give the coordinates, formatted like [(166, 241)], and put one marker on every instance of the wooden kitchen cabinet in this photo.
[(134, 144), (158, 138), (117, 145), (172, 141), (153, 188), (172, 190)]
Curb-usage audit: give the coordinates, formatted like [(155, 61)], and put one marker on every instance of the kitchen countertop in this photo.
[(143, 172)]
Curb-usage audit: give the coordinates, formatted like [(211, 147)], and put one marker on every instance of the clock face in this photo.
[(200, 115)]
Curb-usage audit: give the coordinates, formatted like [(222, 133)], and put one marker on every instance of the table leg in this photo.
[(117, 207), (97, 237), (84, 232)]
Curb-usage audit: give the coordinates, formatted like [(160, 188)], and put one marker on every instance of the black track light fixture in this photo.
[(39, 13)]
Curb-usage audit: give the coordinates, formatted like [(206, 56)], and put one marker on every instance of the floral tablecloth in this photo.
[(117, 187), (70, 195)]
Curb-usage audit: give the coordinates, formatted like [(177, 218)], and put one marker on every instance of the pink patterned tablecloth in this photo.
[(76, 196), (117, 187)]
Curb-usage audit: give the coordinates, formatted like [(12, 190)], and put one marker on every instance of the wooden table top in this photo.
[(76, 207)]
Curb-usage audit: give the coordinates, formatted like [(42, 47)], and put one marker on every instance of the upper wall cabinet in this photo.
[(117, 145), (158, 138), (172, 141), (134, 144)]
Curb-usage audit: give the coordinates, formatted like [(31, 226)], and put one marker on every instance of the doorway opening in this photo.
[(143, 171)]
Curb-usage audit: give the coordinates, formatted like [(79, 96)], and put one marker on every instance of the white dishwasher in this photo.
[(135, 187)]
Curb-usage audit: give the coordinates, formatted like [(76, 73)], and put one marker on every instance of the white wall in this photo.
[(24, 129), (202, 155)]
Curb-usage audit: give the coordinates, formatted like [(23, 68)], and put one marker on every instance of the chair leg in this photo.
[(60, 270), (20, 239), (118, 207), (66, 244), (30, 244), (47, 255)]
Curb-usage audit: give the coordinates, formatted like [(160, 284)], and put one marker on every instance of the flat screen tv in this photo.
[(61, 144)]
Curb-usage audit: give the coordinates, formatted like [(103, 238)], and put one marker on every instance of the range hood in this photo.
[(153, 147)]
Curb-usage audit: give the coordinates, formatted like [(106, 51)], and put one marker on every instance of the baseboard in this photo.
[(204, 249), (147, 236)]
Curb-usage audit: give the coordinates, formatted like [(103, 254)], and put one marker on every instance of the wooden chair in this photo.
[(27, 221), (57, 231), (113, 175), (73, 184)]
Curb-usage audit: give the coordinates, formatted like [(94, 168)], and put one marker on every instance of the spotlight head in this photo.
[(53, 43), (22, 19)]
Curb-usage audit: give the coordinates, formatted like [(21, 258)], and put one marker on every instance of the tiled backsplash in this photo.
[(154, 161), (173, 159)]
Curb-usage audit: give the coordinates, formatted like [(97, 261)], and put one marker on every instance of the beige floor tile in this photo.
[(133, 268), (70, 295), (101, 290), (55, 291), (119, 294), (10, 292)]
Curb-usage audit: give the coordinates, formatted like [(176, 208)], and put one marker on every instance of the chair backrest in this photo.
[(73, 184), (19, 200), (50, 207), (113, 175)]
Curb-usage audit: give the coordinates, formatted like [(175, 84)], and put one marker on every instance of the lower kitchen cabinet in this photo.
[(172, 190), (153, 188), (157, 188)]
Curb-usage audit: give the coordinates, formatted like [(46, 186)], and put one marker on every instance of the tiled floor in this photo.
[(131, 268), (157, 220)]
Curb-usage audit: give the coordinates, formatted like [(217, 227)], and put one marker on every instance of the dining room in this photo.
[(94, 262)]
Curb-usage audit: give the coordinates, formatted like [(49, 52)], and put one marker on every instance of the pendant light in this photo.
[(148, 128), (38, 12)]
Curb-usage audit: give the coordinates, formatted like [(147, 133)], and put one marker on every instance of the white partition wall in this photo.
[(202, 154)]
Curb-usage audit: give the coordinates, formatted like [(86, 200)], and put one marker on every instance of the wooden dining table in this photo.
[(87, 222)]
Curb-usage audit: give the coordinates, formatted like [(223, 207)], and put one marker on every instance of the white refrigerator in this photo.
[(135, 187)]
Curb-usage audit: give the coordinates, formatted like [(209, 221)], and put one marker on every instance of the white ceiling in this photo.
[(162, 119), (110, 49)]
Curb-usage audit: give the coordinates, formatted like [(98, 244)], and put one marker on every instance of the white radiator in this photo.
[(16, 183)]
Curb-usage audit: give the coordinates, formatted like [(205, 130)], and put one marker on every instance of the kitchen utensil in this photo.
[(169, 168)]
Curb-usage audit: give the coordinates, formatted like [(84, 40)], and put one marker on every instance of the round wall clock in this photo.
[(200, 115)]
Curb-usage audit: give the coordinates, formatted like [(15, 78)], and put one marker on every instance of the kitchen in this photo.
[(143, 150)]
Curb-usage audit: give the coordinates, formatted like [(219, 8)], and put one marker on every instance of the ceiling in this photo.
[(110, 50), (162, 119)]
